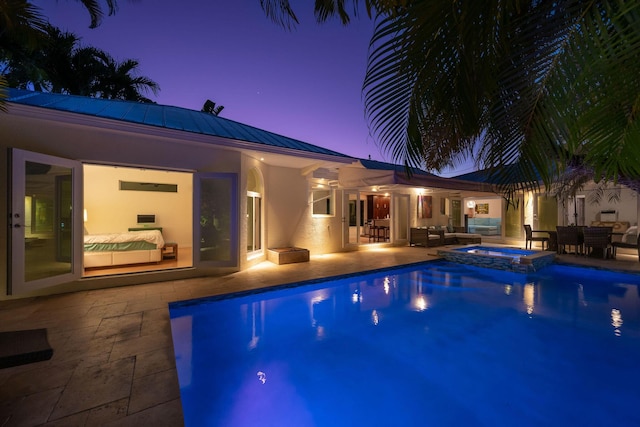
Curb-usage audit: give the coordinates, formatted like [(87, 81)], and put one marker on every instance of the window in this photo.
[(322, 201), (254, 212), (254, 208)]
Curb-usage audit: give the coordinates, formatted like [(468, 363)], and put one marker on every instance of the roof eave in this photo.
[(185, 137)]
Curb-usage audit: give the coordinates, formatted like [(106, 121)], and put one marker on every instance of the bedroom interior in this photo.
[(136, 219)]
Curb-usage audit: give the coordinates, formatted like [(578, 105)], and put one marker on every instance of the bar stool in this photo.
[(373, 233), (382, 233)]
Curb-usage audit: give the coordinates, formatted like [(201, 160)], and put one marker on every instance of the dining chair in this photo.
[(597, 238), (570, 236), (530, 238)]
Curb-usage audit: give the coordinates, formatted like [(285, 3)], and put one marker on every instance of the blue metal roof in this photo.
[(476, 176), (506, 174), (163, 116), (376, 165)]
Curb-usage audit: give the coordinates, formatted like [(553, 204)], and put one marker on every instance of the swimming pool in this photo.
[(434, 344)]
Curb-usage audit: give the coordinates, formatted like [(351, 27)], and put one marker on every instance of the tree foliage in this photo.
[(23, 29), (532, 84), (60, 64)]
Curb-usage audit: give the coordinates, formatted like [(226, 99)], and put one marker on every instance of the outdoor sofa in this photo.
[(485, 226), (431, 236)]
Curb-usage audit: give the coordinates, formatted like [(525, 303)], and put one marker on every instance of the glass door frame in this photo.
[(346, 227), (254, 223), (17, 258), (400, 215), (232, 229)]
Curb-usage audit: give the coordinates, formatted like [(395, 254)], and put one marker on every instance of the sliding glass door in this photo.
[(351, 213), (216, 240)]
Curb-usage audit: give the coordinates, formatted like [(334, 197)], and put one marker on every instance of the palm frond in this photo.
[(95, 10), (538, 82), (412, 80), (325, 9), (3, 94), (280, 12)]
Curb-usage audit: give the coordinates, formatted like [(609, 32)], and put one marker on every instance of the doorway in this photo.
[(119, 200)]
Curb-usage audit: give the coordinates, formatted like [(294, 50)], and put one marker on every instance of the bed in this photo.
[(133, 247)]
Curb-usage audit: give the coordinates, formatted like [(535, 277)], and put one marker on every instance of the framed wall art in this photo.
[(425, 204), (482, 208)]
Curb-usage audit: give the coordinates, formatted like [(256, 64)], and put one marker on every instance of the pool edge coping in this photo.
[(288, 285)]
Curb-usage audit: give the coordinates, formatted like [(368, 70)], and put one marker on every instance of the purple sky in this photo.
[(305, 83)]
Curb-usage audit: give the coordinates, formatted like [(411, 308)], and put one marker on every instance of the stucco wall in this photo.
[(108, 146), (4, 241), (289, 218), (436, 217), (626, 207)]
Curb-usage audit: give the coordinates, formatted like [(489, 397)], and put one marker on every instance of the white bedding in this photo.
[(151, 236)]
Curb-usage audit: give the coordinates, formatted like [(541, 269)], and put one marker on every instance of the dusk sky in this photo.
[(304, 83)]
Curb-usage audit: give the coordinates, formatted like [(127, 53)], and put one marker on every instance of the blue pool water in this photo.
[(434, 344)]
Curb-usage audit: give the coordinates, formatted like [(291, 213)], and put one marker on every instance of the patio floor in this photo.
[(113, 361)]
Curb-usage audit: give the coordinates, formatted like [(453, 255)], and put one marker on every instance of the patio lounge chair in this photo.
[(569, 236), (597, 238), (629, 241)]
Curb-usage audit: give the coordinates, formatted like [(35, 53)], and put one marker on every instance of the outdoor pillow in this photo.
[(631, 235)]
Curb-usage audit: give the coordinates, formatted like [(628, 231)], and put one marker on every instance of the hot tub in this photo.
[(502, 258)]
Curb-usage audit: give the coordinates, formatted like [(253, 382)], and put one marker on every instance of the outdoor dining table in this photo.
[(553, 241), (553, 238)]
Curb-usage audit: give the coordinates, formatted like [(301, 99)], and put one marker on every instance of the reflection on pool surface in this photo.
[(438, 344)]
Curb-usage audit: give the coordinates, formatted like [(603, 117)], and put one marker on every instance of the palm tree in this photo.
[(22, 26), (117, 80), (528, 83), (21, 29), (67, 67), (61, 65)]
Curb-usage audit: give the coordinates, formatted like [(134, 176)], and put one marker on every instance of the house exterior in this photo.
[(611, 205), (219, 192)]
